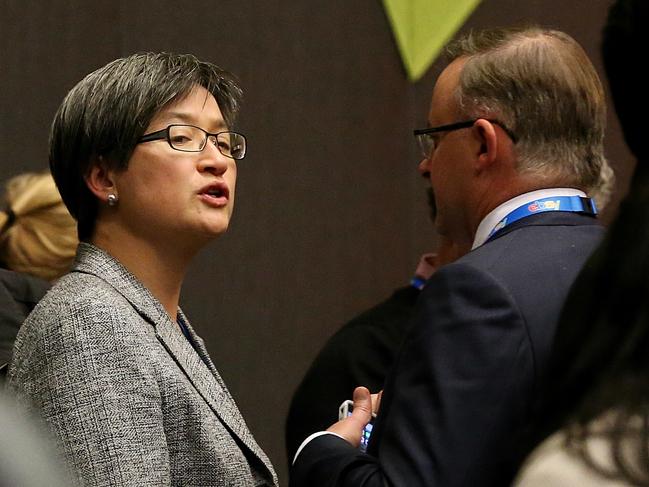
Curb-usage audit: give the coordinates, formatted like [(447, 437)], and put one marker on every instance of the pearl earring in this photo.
[(112, 199)]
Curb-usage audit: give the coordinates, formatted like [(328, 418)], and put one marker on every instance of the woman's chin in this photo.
[(215, 229)]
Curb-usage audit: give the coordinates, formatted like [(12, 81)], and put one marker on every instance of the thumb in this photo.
[(351, 428), (362, 405)]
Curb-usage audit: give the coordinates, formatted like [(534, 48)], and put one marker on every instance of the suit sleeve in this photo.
[(329, 381), (456, 396), (89, 379), (360, 353)]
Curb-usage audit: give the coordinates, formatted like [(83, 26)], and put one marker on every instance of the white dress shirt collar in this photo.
[(492, 219)]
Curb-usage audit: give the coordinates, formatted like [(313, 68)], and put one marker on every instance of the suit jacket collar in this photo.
[(195, 363), (552, 218), (501, 211)]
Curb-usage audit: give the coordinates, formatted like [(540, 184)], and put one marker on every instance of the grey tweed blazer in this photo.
[(127, 397)]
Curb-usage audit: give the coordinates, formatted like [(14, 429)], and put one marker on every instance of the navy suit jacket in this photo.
[(465, 379)]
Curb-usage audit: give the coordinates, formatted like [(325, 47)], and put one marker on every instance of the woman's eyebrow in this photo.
[(213, 124)]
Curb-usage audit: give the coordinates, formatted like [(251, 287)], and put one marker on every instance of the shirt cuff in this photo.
[(311, 437)]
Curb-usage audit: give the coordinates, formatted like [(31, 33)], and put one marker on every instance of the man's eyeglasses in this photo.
[(189, 138), (428, 142)]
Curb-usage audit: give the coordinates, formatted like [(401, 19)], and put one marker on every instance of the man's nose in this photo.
[(424, 167)]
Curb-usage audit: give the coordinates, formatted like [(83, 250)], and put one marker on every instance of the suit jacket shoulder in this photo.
[(536, 260)]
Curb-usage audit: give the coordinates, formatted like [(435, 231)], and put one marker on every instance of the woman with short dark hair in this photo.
[(143, 154)]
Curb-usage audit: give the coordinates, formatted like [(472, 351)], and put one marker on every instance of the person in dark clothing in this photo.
[(19, 293), (37, 244), (361, 352)]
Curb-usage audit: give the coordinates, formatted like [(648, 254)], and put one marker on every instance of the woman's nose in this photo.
[(212, 159)]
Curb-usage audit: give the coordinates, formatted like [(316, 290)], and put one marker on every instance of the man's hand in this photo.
[(351, 428)]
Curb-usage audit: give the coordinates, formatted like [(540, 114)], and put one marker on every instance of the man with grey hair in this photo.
[(515, 141)]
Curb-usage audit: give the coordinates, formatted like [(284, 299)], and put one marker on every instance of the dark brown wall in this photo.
[(330, 214)]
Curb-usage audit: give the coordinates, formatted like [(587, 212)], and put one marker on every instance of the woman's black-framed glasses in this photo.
[(428, 142), (189, 138)]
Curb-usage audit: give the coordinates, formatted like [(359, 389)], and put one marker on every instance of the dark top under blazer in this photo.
[(19, 293), (127, 397), (464, 380), (361, 352)]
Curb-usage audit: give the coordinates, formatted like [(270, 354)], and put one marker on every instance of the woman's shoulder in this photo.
[(81, 318), (79, 305), (80, 293), (83, 331)]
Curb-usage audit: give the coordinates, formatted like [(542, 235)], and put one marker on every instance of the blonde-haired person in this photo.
[(38, 241), (38, 236)]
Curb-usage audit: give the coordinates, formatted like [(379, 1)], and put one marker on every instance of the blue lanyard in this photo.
[(575, 204), (418, 282)]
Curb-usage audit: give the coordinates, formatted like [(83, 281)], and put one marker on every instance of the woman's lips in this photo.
[(216, 195)]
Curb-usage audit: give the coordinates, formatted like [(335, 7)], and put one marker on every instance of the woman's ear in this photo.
[(101, 182)]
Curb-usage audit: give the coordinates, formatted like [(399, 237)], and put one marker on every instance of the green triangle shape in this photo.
[(422, 28)]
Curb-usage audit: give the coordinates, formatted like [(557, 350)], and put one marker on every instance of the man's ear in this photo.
[(100, 180), (488, 151)]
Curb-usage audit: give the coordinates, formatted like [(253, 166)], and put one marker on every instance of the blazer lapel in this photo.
[(196, 364), (201, 371)]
